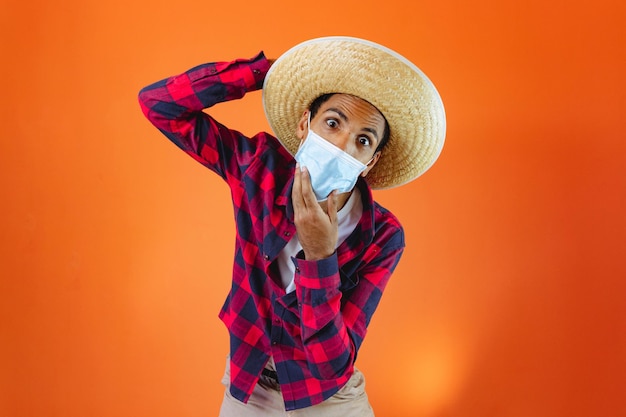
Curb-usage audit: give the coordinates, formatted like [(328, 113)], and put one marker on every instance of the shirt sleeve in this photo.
[(333, 324), (174, 105)]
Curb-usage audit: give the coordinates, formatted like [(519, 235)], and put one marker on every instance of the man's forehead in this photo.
[(350, 103)]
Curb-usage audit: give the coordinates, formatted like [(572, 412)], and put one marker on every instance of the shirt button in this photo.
[(266, 257), (297, 269), (287, 233), (274, 342)]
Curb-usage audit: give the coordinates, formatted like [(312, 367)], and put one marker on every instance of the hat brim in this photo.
[(387, 80)]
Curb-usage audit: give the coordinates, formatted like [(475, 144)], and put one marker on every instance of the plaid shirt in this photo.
[(313, 333)]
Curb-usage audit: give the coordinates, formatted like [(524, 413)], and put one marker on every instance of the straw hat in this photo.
[(395, 86)]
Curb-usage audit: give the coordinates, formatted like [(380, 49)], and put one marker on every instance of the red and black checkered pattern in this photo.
[(313, 333)]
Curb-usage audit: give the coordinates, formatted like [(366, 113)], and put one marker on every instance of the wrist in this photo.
[(317, 256)]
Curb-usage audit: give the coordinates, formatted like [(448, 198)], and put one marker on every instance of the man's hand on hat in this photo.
[(317, 229)]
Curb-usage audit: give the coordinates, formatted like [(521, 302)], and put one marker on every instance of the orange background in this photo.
[(116, 248)]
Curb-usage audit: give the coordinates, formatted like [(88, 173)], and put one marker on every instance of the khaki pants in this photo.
[(350, 401)]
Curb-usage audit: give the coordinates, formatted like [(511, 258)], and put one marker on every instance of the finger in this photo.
[(332, 207), (308, 196), (296, 191)]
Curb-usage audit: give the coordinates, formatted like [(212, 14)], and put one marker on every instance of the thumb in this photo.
[(332, 207)]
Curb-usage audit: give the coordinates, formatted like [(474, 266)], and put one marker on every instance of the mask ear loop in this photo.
[(308, 128)]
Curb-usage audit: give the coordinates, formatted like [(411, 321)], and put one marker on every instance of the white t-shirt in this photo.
[(347, 219)]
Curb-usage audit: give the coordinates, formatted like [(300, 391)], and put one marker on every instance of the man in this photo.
[(313, 251)]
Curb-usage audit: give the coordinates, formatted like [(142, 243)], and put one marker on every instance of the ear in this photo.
[(302, 129), (375, 159)]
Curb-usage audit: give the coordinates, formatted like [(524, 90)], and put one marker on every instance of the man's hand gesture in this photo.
[(317, 228)]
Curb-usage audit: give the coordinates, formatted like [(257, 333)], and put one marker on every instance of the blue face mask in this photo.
[(330, 168)]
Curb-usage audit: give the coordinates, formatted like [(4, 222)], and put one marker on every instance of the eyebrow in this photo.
[(345, 118)]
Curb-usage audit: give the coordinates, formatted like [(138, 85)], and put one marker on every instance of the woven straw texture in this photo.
[(402, 93)]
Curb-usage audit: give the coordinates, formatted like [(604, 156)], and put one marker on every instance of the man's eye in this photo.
[(364, 140), (332, 123)]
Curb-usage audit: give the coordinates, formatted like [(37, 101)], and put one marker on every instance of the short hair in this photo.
[(317, 103)]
